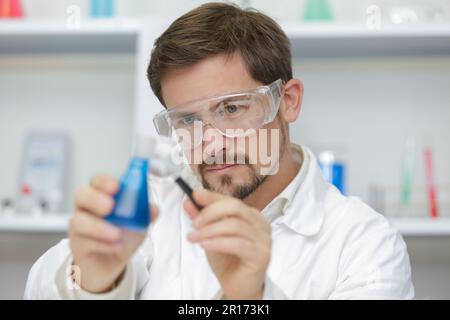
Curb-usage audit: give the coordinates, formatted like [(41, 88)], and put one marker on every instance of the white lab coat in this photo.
[(325, 246)]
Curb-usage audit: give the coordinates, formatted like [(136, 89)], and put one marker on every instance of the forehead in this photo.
[(211, 76)]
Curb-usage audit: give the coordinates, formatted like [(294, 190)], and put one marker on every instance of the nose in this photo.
[(213, 142)]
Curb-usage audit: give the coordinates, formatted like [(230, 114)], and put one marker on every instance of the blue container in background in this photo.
[(102, 8), (333, 171), (336, 175)]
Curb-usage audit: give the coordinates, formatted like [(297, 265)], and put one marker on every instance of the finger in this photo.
[(237, 246), (229, 207), (224, 227), (93, 201), (132, 239), (191, 209), (85, 246), (87, 225), (205, 197), (154, 210), (105, 183)]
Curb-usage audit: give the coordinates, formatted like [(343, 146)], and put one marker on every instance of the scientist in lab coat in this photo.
[(267, 229)]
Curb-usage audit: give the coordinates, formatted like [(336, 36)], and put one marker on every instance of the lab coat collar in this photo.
[(303, 211)]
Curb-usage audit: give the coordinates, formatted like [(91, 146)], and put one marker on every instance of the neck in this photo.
[(275, 184)]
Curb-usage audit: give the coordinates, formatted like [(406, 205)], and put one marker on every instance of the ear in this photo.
[(292, 100)]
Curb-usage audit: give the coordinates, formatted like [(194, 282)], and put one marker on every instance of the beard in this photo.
[(241, 191)]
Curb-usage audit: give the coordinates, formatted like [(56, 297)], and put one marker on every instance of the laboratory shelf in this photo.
[(309, 40), (422, 226), (54, 223), (57, 223), (56, 37), (351, 40)]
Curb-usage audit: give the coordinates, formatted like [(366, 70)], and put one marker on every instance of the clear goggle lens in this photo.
[(233, 115)]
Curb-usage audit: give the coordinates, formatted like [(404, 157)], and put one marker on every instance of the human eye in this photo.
[(235, 108), (186, 120), (231, 108)]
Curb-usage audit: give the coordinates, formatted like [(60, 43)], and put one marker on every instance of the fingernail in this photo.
[(113, 232), (193, 236), (197, 222), (202, 192), (205, 243), (112, 185), (197, 193), (105, 202)]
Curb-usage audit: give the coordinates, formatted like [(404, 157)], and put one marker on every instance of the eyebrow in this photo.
[(228, 99), (211, 108), (180, 113), (184, 114)]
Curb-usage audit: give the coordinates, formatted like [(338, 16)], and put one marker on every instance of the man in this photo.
[(279, 233)]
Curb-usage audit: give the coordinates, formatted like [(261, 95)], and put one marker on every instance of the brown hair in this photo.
[(221, 28)]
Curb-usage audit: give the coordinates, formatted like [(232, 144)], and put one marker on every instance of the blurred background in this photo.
[(73, 93)]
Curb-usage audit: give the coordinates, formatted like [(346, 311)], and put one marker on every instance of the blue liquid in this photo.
[(131, 209)]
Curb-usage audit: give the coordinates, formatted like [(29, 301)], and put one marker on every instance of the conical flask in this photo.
[(131, 209)]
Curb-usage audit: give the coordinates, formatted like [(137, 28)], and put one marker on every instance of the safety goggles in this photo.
[(233, 114)]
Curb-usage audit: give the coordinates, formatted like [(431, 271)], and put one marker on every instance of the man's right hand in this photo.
[(100, 249)]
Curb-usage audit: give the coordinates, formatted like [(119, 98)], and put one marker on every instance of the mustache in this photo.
[(223, 158)]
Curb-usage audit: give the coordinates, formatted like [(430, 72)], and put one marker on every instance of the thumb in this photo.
[(154, 212), (205, 197)]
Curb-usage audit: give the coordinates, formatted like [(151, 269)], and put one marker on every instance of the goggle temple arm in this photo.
[(275, 95)]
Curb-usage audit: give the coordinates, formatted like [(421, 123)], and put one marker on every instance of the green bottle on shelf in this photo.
[(317, 10)]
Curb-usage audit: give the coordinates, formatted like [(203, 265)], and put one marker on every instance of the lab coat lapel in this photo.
[(304, 216)]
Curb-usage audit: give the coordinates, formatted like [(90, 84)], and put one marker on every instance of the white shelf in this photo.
[(309, 40), (59, 223), (92, 36), (422, 226), (319, 40), (45, 223), (91, 26), (351, 30)]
